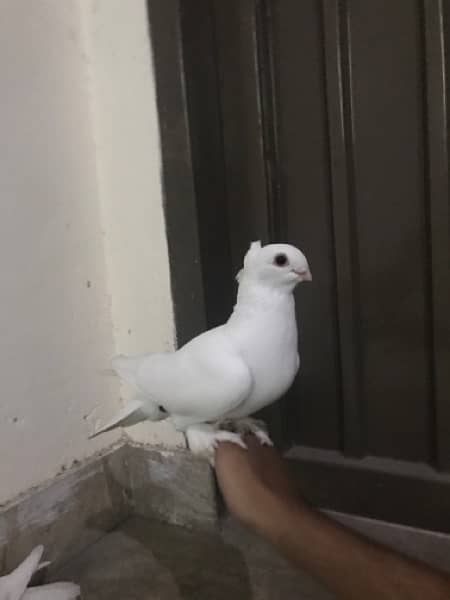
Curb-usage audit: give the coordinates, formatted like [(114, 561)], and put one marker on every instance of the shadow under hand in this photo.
[(203, 566)]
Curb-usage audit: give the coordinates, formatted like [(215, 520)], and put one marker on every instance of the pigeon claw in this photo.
[(263, 438), (203, 440), (228, 436), (247, 426)]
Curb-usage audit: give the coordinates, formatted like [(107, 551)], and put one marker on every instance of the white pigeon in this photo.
[(231, 371), (14, 585)]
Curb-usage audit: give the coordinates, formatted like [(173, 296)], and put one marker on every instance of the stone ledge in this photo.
[(79, 507), (172, 486)]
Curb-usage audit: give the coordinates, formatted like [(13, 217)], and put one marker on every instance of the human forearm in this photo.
[(258, 489), (348, 564)]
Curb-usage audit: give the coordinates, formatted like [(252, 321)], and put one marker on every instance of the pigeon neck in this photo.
[(253, 296)]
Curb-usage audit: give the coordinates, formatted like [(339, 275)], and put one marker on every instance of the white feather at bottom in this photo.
[(53, 591)]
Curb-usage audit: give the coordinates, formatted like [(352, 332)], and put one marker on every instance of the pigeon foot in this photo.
[(203, 440), (247, 426)]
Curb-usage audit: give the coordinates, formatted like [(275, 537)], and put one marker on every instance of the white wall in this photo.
[(82, 244), (129, 167)]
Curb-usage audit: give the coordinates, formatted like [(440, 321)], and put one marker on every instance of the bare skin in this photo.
[(259, 491)]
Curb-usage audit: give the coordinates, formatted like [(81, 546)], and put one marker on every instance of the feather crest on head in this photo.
[(253, 250)]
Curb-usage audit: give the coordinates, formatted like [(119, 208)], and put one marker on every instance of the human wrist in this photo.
[(275, 515)]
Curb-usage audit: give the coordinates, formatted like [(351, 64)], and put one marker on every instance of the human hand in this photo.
[(255, 483)]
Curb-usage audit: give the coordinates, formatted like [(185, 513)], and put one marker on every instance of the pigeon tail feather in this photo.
[(137, 410)]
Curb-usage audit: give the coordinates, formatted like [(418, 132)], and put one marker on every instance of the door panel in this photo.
[(330, 104), (387, 59), (303, 171), (324, 123)]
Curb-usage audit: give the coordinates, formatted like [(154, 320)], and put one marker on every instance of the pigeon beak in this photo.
[(304, 274)]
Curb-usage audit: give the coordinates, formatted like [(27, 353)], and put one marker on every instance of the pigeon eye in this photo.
[(281, 260)]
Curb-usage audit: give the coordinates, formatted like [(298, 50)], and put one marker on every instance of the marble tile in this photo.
[(173, 486)]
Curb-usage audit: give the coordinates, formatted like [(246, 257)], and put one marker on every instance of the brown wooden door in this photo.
[(323, 123)]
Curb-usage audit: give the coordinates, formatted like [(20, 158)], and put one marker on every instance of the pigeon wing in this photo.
[(204, 380)]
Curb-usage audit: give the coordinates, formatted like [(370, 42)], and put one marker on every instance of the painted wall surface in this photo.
[(129, 168), (83, 257)]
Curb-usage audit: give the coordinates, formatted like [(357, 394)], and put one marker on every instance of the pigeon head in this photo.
[(275, 265)]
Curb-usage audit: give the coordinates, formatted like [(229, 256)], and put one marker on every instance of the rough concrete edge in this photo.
[(69, 512), (64, 472)]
